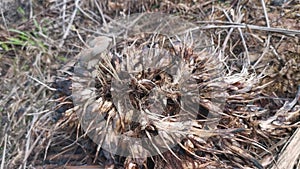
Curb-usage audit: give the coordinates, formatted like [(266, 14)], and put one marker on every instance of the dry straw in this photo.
[(248, 53)]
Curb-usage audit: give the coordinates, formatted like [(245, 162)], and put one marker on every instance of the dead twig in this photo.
[(269, 35), (70, 23), (249, 26), (4, 151), (48, 87), (101, 13), (289, 156)]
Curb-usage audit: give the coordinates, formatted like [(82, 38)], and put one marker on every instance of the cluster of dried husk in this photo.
[(212, 119), (212, 103)]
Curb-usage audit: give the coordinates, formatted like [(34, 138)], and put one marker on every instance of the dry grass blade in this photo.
[(253, 27), (66, 33), (4, 150), (291, 153)]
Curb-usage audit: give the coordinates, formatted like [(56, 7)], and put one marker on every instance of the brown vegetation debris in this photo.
[(250, 56)]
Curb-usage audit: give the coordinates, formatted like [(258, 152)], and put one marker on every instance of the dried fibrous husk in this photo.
[(164, 104), (247, 130)]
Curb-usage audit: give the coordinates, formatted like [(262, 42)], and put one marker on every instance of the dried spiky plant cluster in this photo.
[(169, 80), (254, 49), (219, 105)]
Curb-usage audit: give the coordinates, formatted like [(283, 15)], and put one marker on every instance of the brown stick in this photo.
[(289, 156)]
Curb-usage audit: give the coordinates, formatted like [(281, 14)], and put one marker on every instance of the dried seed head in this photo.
[(150, 88)]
